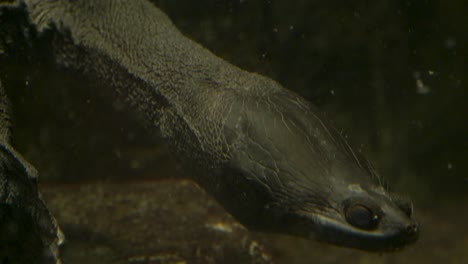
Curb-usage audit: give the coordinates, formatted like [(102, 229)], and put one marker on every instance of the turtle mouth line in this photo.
[(332, 231)]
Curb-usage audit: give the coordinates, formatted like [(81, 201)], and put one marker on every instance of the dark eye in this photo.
[(361, 216)]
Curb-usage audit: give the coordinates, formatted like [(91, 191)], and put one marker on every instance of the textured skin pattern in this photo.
[(249, 138), (5, 120), (203, 105), (262, 151)]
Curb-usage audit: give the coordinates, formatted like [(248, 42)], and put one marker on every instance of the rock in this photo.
[(164, 222)]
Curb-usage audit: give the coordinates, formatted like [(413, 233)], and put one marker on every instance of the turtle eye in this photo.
[(361, 216)]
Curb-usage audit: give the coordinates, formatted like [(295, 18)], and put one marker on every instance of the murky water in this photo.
[(392, 76)]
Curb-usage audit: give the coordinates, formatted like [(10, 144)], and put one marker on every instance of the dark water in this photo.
[(391, 74)]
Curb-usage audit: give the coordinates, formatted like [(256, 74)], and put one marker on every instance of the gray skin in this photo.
[(262, 151)]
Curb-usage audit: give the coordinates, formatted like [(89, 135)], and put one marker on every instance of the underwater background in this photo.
[(392, 75)]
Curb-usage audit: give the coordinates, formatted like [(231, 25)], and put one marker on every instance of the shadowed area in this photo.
[(149, 222), (175, 222)]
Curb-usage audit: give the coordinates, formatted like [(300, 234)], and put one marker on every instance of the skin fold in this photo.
[(263, 152)]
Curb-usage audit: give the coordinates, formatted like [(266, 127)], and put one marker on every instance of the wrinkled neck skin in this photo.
[(262, 151)]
